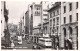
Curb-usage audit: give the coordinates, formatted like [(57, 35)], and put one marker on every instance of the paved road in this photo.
[(24, 45)]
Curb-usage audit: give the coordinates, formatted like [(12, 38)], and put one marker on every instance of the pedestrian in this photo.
[(12, 44)]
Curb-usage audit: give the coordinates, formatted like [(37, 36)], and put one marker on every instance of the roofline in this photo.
[(55, 5)]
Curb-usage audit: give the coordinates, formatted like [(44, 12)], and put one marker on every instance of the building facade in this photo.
[(5, 35), (36, 34), (36, 14), (69, 25), (27, 24), (54, 24)]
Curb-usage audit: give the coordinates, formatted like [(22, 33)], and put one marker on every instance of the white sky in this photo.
[(16, 9)]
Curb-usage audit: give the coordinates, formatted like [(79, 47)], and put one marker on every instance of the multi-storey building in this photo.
[(5, 35), (28, 23), (22, 30), (36, 34), (2, 19), (35, 15), (69, 25), (45, 29), (44, 13), (54, 23), (44, 26)]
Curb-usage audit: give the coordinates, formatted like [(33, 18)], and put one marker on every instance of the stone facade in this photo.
[(54, 23), (69, 25)]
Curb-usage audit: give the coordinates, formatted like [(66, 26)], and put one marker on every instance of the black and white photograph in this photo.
[(39, 25)]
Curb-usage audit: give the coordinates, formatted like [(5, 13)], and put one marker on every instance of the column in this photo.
[(67, 35), (67, 32), (62, 38), (74, 36)]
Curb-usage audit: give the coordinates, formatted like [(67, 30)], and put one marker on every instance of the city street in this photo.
[(24, 45), (39, 25)]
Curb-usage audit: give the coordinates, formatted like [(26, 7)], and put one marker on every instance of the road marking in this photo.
[(24, 47), (20, 47)]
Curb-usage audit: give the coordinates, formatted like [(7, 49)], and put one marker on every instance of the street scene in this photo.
[(39, 25)]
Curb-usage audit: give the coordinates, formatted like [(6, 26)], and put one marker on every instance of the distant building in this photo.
[(21, 25), (28, 23), (12, 28)]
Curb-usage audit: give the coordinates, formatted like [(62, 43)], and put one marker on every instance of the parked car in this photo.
[(19, 39), (34, 46)]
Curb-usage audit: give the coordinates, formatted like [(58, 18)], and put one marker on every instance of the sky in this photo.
[(17, 8)]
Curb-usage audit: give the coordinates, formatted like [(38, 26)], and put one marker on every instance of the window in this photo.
[(51, 15), (50, 22), (64, 9), (39, 8), (58, 12), (1, 21), (35, 12), (70, 6), (64, 2), (38, 13), (23, 17), (57, 20), (70, 17), (64, 19), (45, 14), (76, 5), (57, 29), (1, 11), (50, 30), (77, 16), (36, 8), (53, 22)]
